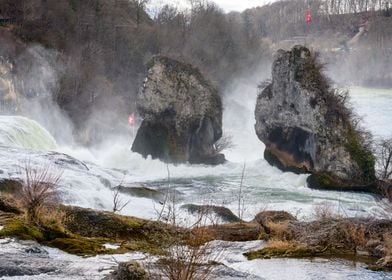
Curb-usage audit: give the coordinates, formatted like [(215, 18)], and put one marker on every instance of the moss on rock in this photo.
[(325, 182), (291, 250), (20, 229), (77, 246), (85, 231)]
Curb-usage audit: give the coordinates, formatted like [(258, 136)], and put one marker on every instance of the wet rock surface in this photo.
[(307, 127), (182, 115), (240, 231), (48, 263), (129, 271), (266, 217), (9, 205), (219, 213), (16, 261)]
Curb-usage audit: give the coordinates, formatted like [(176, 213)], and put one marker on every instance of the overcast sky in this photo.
[(227, 5)]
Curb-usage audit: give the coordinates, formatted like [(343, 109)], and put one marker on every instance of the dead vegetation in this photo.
[(355, 234), (383, 151), (388, 244), (386, 200), (325, 211), (279, 230), (188, 256), (118, 203), (190, 260), (225, 143), (384, 159), (40, 189)]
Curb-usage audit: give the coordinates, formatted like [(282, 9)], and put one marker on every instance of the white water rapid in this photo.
[(89, 175)]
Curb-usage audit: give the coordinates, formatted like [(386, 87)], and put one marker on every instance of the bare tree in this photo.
[(40, 188), (190, 255), (118, 203), (224, 143), (195, 261), (384, 158), (168, 211), (386, 201), (140, 6)]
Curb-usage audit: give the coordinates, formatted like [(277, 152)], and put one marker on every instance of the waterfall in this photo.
[(21, 132)]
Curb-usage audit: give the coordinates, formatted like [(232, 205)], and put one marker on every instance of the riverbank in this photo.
[(87, 232)]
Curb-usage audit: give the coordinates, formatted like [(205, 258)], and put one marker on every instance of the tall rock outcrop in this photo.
[(307, 127), (182, 115)]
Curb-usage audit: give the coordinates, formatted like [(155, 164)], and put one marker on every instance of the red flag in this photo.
[(308, 16), (131, 119)]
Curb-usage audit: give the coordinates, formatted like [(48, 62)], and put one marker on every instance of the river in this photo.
[(89, 174)]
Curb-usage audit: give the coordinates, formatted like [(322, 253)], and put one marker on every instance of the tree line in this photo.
[(104, 45)]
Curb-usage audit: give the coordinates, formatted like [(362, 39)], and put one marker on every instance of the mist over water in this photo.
[(89, 179), (91, 173), (375, 107)]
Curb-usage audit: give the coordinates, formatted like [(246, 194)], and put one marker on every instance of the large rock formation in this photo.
[(307, 127), (182, 115)]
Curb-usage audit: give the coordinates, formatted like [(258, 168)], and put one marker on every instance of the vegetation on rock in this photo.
[(318, 133)]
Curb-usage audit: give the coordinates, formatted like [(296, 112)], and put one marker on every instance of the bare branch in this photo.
[(384, 159), (39, 189), (224, 143), (118, 204)]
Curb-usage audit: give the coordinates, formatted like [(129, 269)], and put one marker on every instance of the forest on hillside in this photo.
[(104, 45)]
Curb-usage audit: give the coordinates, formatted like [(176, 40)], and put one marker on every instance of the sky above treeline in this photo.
[(226, 5)]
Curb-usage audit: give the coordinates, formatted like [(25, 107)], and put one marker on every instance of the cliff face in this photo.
[(8, 94), (182, 115), (10, 48), (307, 127)]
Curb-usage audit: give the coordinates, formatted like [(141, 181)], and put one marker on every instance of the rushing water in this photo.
[(88, 183), (25, 133), (89, 175), (37, 262)]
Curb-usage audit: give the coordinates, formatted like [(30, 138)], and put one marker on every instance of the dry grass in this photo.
[(53, 216), (279, 230), (280, 244), (325, 211), (355, 234), (388, 244), (15, 198)]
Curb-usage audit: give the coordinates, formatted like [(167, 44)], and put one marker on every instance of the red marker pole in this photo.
[(308, 16), (132, 122)]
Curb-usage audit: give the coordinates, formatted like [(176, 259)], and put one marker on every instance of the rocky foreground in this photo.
[(87, 232)]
